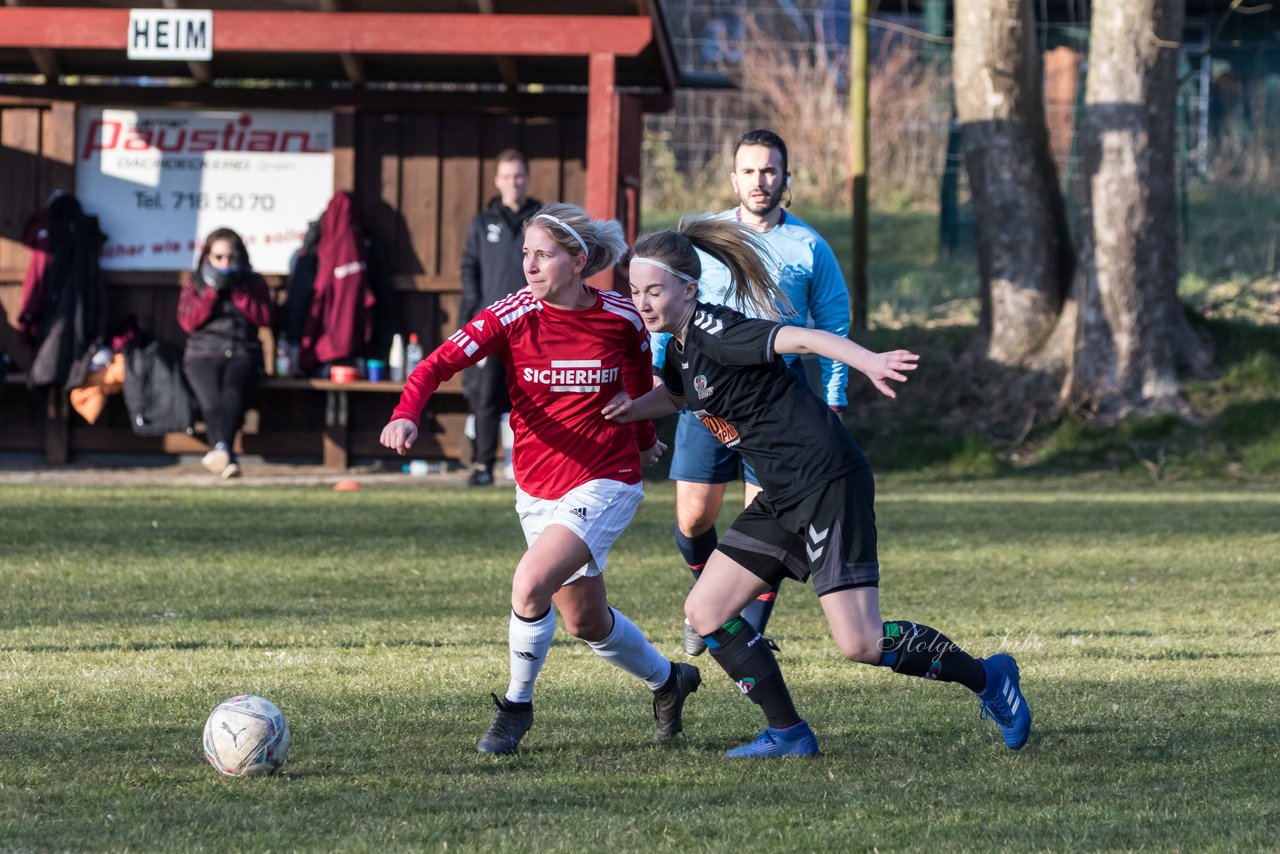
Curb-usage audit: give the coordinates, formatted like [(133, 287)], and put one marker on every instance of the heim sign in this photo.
[(160, 180), (173, 34)]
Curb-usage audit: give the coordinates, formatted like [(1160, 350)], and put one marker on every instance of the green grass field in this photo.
[(1144, 619)]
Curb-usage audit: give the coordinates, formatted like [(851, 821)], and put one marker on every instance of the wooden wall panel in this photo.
[(447, 307), (378, 181), (58, 150), (153, 306), (459, 190), (540, 141), (418, 313), (497, 134), (573, 159), (420, 194), (20, 180), (344, 150)]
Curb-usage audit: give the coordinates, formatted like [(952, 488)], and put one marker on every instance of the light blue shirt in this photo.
[(806, 269)]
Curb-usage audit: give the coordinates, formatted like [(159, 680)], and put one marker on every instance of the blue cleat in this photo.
[(796, 740), (1002, 701)]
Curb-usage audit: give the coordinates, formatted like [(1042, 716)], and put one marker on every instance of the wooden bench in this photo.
[(56, 415), (339, 441), (337, 410)]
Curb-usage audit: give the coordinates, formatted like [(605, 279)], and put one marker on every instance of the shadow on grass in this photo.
[(1118, 763)]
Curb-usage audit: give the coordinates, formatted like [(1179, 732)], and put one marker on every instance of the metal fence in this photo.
[(1228, 125)]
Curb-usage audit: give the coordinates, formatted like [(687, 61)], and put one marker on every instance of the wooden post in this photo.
[(604, 113), (57, 436), (337, 430), (344, 150), (858, 144)]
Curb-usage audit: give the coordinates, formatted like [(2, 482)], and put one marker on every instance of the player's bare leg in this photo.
[(697, 506)]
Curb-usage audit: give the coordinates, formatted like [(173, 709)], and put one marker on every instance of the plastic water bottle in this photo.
[(395, 360), (284, 359), (412, 354)]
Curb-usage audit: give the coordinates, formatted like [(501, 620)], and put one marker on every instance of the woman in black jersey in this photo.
[(815, 518)]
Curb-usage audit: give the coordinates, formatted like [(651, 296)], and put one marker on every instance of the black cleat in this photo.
[(668, 703), (508, 727), (480, 477)]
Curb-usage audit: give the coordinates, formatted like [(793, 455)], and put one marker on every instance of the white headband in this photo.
[(652, 263), (568, 228)]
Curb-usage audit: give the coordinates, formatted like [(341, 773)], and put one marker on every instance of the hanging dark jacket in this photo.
[(299, 286), (71, 312), (492, 266)]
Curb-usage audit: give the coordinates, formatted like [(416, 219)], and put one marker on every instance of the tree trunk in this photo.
[(1024, 251), (1131, 336)]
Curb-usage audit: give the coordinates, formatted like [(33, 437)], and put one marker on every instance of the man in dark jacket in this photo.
[(492, 268)]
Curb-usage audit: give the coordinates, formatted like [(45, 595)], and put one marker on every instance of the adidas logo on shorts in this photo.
[(580, 512)]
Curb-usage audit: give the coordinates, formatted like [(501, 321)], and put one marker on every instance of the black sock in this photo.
[(918, 650), (742, 652), (696, 551), (670, 684)]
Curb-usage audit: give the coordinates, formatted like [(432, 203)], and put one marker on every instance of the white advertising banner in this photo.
[(160, 180)]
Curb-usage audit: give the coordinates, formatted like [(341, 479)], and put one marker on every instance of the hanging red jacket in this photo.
[(340, 322)]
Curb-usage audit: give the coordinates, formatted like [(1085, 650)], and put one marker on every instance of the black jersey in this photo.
[(732, 379)]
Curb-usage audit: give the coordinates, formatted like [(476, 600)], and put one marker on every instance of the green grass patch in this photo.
[(1143, 618), (1229, 235)]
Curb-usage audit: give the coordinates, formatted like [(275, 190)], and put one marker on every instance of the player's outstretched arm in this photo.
[(654, 404), (879, 367)]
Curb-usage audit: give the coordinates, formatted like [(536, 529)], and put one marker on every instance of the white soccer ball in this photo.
[(246, 736)]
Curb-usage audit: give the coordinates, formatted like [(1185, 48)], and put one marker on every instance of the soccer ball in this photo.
[(246, 736)]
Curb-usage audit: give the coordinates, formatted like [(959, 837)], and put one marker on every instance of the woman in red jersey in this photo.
[(568, 349)]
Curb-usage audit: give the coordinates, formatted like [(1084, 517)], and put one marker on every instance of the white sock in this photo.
[(626, 648), (529, 643)]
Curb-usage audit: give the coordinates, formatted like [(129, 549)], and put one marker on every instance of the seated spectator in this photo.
[(222, 306)]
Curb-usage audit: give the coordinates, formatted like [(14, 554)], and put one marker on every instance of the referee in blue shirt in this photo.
[(806, 269)]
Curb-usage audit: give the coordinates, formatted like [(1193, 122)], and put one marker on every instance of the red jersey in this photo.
[(562, 368)]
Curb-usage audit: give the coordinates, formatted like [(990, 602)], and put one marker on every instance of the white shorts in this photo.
[(598, 511)]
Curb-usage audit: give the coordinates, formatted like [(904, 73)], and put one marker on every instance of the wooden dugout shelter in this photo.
[(423, 96)]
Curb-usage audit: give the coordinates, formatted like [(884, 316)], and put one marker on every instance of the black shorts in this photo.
[(830, 534)]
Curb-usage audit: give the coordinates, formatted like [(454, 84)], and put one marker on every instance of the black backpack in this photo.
[(156, 391)]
